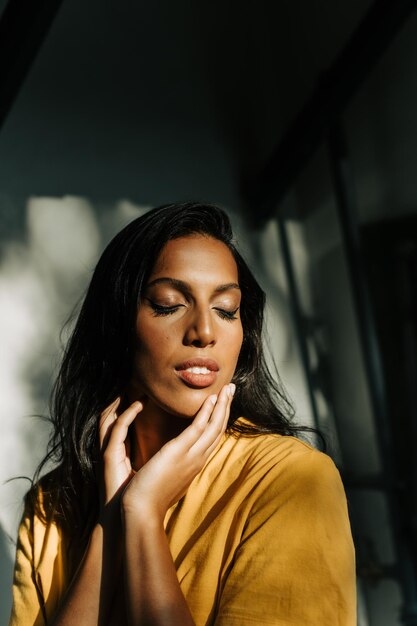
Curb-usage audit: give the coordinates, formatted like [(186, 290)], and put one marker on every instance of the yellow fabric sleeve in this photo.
[(27, 598), (38, 579), (295, 564)]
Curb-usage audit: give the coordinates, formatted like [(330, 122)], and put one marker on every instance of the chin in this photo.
[(185, 404)]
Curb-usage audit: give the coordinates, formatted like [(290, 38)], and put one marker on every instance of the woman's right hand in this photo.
[(116, 470), (165, 478), (155, 486)]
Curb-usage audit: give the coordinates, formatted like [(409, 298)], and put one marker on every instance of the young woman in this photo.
[(180, 495)]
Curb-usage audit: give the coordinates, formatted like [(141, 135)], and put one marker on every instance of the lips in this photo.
[(198, 372)]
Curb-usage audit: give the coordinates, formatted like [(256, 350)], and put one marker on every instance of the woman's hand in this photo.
[(165, 478), (115, 450)]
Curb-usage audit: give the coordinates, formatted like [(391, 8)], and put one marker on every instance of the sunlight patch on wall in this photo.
[(39, 280), (63, 236)]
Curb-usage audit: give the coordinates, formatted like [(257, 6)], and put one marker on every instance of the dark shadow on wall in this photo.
[(6, 575), (12, 221)]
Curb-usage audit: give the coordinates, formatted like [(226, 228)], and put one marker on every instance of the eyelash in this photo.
[(169, 310)]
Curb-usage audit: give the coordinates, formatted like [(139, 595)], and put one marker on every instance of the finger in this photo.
[(113, 405), (226, 415), (223, 428), (216, 442), (219, 413), (106, 420), (192, 433), (120, 428), (232, 394), (215, 425)]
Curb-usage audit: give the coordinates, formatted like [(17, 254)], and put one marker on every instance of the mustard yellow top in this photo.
[(261, 537)]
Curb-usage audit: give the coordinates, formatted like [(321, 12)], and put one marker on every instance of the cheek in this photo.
[(150, 354), (152, 341), (230, 346), (235, 341)]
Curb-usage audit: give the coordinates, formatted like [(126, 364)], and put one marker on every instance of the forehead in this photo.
[(188, 258)]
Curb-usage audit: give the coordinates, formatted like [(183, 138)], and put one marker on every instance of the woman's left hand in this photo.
[(115, 466), (165, 478)]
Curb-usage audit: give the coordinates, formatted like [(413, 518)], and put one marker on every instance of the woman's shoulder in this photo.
[(283, 462), (38, 523), (40, 566), (278, 473), (39, 499), (278, 449)]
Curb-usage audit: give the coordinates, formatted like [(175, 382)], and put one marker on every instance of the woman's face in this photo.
[(189, 331)]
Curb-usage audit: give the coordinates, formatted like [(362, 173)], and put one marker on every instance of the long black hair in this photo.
[(98, 359)]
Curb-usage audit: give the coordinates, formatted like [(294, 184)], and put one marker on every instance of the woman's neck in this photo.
[(152, 429)]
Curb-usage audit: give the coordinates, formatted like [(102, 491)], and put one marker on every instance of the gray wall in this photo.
[(381, 127)]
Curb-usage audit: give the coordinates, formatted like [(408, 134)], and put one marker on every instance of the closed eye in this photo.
[(159, 309), (227, 315)]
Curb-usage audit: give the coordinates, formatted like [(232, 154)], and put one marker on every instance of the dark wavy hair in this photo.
[(98, 359)]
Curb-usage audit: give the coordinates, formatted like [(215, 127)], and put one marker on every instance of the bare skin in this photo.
[(150, 451)]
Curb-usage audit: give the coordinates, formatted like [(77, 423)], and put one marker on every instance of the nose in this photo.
[(200, 331)]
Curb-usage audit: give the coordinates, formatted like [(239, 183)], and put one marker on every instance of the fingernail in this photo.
[(232, 388), (213, 399)]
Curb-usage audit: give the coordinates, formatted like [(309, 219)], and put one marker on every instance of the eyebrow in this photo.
[(180, 285)]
